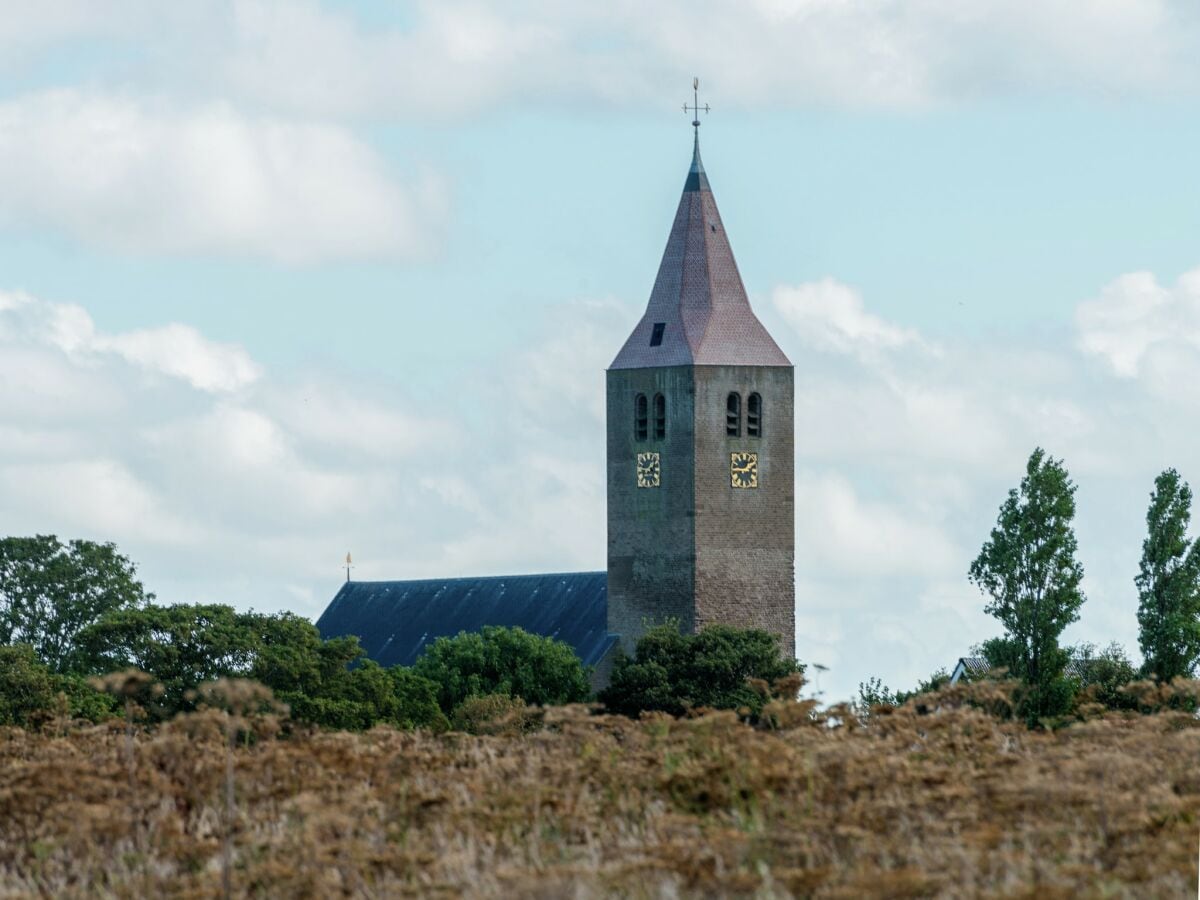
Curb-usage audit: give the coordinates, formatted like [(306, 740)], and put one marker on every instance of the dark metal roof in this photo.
[(395, 620), (698, 295)]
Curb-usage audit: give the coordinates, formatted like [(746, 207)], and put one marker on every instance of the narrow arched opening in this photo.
[(733, 415), (754, 416)]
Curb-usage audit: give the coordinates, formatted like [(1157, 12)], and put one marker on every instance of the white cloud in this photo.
[(181, 351), (840, 531), (439, 58), (829, 315), (1137, 324), (253, 494), (229, 482), (175, 350), (905, 451), (136, 176)]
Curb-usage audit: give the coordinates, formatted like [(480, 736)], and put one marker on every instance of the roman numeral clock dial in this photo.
[(743, 470)]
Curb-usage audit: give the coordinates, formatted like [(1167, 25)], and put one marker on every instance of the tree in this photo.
[(182, 646), (873, 692), (324, 682), (27, 687), (673, 672), (31, 694), (1168, 583), (1028, 568), (1102, 673), (50, 592), (497, 660), (330, 683)]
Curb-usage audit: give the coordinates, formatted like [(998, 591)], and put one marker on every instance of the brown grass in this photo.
[(951, 803)]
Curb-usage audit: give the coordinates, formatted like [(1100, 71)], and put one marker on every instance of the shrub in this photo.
[(1103, 675), (30, 694), (496, 714), (508, 661), (27, 689), (673, 672)]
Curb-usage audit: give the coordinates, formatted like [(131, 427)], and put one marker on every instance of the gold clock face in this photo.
[(649, 470), (743, 470)]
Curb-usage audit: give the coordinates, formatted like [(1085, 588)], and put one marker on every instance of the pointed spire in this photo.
[(698, 312), (697, 180)]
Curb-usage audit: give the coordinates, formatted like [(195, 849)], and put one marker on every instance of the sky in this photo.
[(282, 280)]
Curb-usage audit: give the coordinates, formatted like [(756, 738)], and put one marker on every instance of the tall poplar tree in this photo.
[(1028, 568), (1168, 583)]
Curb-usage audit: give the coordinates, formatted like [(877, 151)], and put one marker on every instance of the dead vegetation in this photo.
[(947, 802)]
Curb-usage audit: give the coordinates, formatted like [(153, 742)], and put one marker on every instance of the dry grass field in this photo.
[(951, 803)]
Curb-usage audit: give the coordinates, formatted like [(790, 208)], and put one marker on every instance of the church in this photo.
[(701, 487)]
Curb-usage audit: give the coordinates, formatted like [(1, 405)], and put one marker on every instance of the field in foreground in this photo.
[(948, 804)]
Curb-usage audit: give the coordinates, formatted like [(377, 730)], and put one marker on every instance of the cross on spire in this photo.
[(695, 109)]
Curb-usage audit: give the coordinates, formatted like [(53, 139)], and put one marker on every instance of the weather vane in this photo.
[(349, 566), (695, 109)]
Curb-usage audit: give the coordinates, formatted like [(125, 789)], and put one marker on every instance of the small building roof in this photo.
[(396, 620), (698, 297), (977, 665)]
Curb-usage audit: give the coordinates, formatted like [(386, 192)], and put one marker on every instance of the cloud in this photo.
[(1139, 327), (175, 350), (181, 351), (445, 59), (828, 315), (147, 177), (905, 450), (251, 491), (231, 482)]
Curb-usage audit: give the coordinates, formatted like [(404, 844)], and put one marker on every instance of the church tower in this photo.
[(701, 524)]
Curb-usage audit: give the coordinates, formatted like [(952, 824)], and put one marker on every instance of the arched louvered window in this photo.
[(641, 418), (754, 416), (660, 417), (733, 415)]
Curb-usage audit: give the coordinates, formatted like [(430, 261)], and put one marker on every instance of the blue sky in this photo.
[(279, 280)]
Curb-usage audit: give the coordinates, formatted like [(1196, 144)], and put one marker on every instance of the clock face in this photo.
[(649, 470), (743, 470)]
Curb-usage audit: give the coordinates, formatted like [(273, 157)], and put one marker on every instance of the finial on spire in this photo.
[(695, 109), (349, 566)]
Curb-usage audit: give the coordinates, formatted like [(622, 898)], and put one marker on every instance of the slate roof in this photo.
[(976, 666), (699, 296), (396, 620)]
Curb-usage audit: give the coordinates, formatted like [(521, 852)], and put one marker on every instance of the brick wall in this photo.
[(745, 538), (651, 538), (696, 549)]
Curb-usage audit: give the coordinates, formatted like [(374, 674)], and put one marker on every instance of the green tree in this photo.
[(31, 694), (27, 688), (673, 672), (324, 682), (182, 646), (50, 592), (1168, 583), (873, 692), (1102, 673), (329, 682), (1029, 570), (498, 660)]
